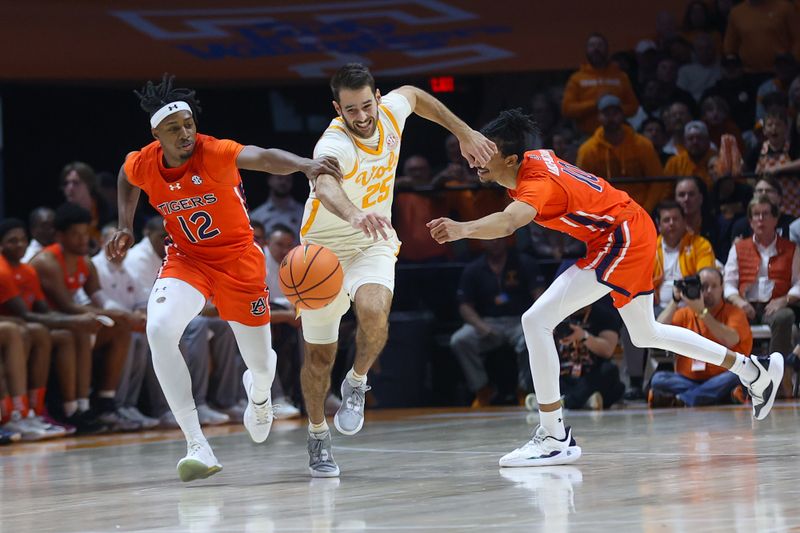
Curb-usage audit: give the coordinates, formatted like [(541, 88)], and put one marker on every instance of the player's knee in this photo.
[(160, 334), (537, 317), (372, 316)]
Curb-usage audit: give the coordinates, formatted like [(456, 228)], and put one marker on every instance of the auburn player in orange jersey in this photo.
[(193, 181), (620, 240)]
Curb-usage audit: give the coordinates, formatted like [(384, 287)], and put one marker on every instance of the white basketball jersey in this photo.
[(369, 176)]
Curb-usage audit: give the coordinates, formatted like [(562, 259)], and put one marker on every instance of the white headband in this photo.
[(167, 110)]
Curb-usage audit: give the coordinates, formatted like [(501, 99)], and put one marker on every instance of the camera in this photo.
[(563, 329), (689, 287)]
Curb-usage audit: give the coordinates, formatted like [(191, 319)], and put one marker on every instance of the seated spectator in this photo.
[(692, 195), (758, 30), (596, 77), (693, 161), (695, 383), (66, 336), (546, 113), (715, 113), (494, 291), (616, 151), (412, 210), (259, 233), (676, 117), (457, 171), (280, 207), (80, 187), (652, 105), (770, 188), (762, 277), (120, 289), (730, 197), (589, 378), (43, 232), (704, 71), (786, 69), (679, 253), (698, 19), (737, 90), (565, 144), (656, 132), (774, 159), (285, 325), (667, 76), (67, 277), (205, 339)]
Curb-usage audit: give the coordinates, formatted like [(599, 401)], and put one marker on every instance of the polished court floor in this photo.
[(703, 470)]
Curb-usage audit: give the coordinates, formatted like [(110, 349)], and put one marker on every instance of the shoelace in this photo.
[(316, 451), (264, 414), (357, 400)]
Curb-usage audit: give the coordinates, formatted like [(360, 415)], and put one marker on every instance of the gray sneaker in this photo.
[(350, 416), (320, 456)]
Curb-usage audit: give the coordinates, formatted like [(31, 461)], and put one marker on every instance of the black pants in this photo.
[(602, 377)]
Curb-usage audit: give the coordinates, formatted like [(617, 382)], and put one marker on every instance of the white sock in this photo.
[(107, 394), (70, 408), (553, 422), (317, 430), (255, 346), (744, 368), (83, 405), (355, 379), (190, 425)]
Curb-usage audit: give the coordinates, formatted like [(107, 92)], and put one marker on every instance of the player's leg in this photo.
[(321, 334), (64, 364), (172, 304), (762, 378), (255, 345), (38, 365), (15, 342), (369, 277), (552, 443)]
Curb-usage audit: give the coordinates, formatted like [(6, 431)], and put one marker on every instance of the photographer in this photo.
[(707, 313), (587, 341)]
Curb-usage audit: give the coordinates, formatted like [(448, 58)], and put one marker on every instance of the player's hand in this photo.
[(372, 224), (119, 244), (445, 230), (476, 148), (322, 165)]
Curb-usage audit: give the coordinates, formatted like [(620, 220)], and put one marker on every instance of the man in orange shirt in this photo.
[(759, 29), (695, 383), (595, 78), (193, 181), (694, 160)]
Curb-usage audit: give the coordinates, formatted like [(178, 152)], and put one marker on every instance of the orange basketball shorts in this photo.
[(623, 258), (237, 288)]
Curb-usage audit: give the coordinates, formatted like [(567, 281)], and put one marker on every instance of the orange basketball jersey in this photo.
[(569, 199), (202, 201)]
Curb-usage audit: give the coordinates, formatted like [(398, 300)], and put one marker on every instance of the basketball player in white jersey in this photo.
[(351, 217)]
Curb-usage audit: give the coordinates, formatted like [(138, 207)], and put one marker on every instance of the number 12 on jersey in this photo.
[(201, 222)]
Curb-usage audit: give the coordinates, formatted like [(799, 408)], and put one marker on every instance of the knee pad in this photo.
[(321, 326)]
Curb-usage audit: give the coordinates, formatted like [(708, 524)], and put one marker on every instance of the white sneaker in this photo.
[(30, 431), (257, 417), (199, 462), (209, 417), (544, 450), (530, 402), (764, 388), (132, 413), (52, 431), (595, 401), (283, 408)]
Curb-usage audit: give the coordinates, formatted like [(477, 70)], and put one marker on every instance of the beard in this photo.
[(361, 134)]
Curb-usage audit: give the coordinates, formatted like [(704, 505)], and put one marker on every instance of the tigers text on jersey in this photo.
[(202, 201), (368, 176)]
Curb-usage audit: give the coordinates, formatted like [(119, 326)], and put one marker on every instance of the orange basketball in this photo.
[(310, 276)]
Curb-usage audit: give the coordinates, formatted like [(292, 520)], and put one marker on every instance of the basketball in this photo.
[(310, 276)]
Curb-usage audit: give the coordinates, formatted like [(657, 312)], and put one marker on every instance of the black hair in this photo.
[(37, 214), (650, 120), (665, 205), (282, 228), (687, 16), (153, 97), (10, 224), (84, 171), (510, 130), (351, 76), (69, 214)]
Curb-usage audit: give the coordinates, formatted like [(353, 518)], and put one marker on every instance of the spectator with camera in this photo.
[(762, 277), (587, 341), (695, 383)]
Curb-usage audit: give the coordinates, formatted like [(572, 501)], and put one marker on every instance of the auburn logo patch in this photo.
[(259, 307)]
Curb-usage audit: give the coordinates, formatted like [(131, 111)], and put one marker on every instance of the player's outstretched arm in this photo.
[(494, 226), (277, 161), (475, 148), (127, 198), (329, 192)]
